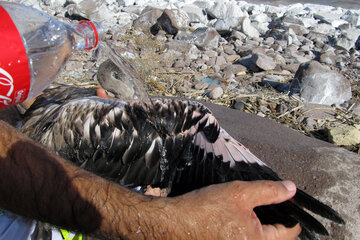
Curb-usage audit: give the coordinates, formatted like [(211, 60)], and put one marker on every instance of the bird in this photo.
[(169, 143)]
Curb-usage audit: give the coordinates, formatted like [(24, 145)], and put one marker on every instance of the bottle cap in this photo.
[(96, 33)]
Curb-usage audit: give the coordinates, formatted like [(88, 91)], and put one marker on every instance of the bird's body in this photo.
[(167, 143)]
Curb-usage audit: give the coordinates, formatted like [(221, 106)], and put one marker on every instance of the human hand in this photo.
[(225, 211)]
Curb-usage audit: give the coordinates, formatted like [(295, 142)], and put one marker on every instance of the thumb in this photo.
[(270, 192)]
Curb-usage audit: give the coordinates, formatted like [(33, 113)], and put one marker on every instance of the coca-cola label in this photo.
[(14, 65)]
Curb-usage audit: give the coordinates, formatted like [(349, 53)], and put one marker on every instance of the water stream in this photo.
[(132, 76)]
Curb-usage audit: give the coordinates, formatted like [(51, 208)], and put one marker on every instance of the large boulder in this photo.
[(321, 85), (330, 173)]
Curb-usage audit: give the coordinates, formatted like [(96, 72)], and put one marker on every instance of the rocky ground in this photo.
[(296, 64)]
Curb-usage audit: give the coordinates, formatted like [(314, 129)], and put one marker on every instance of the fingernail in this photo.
[(290, 186)]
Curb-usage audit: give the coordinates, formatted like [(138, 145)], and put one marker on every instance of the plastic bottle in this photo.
[(33, 49)]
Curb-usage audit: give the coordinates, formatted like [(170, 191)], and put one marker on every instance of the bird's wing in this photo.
[(164, 142), (226, 160), (132, 143)]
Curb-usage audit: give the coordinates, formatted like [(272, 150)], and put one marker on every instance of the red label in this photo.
[(14, 66)]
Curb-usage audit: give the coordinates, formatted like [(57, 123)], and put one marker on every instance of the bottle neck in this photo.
[(86, 35)]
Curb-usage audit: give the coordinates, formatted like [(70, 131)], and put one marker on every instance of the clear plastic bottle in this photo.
[(33, 49)]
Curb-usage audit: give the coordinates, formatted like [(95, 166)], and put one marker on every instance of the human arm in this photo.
[(40, 185)]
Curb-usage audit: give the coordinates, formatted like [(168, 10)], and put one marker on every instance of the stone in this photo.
[(226, 25), (344, 43), (203, 38), (328, 58), (239, 104), (220, 60), (248, 29), (126, 3), (310, 123), (179, 64), (212, 86), (238, 35), (324, 28), (234, 58), (344, 135), (216, 68), (177, 45), (195, 13), (321, 85), (322, 169), (263, 61), (218, 10), (201, 85), (352, 18), (298, 29), (269, 41), (224, 9), (229, 49), (216, 93), (147, 18), (233, 69), (178, 17)]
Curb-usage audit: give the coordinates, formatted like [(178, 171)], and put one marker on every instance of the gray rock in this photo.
[(298, 29), (216, 68), (352, 18), (344, 43), (201, 85), (96, 11), (212, 86), (177, 45), (178, 18), (269, 41), (356, 108), (126, 2), (229, 49), (216, 93), (233, 69), (195, 13), (226, 25), (147, 18), (249, 64), (310, 123), (223, 10), (233, 58), (324, 28), (238, 35), (248, 29), (263, 61), (292, 67), (239, 104), (262, 28), (218, 10), (330, 173), (322, 85), (179, 64), (220, 60), (328, 58), (279, 59), (203, 38)]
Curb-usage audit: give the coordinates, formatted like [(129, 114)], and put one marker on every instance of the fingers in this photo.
[(100, 92), (279, 231), (269, 192)]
